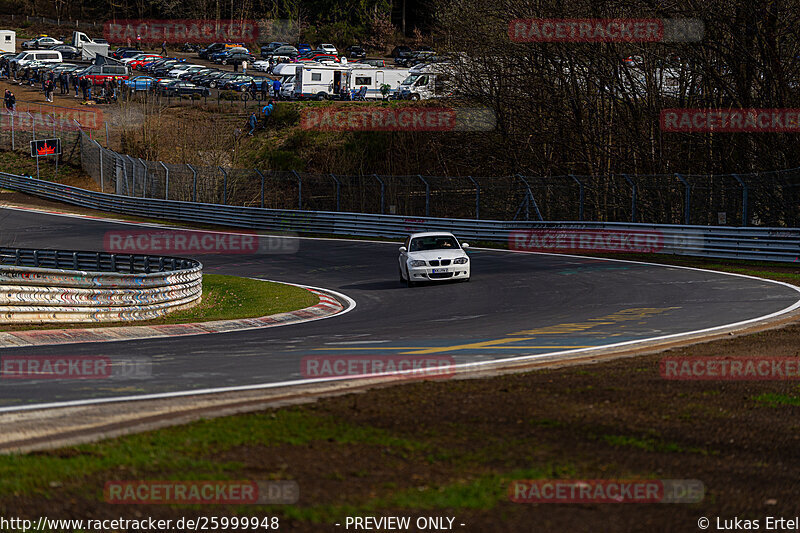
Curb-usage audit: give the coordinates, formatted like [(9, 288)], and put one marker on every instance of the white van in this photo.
[(373, 78), (44, 56), (318, 81), (433, 80)]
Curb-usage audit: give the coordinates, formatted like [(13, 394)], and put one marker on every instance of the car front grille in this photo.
[(441, 275), (433, 263), (445, 262)]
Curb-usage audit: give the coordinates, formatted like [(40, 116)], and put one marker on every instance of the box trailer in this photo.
[(8, 41)]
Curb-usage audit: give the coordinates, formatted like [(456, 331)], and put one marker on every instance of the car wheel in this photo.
[(414, 97), (212, 84), (321, 97)]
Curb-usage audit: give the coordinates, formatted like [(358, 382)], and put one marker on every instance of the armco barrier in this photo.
[(772, 244), (52, 286)]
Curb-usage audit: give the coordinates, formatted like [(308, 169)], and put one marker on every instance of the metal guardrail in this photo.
[(57, 286), (773, 244)]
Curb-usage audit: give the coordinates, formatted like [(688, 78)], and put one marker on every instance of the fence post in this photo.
[(687, 205), (427, 195), (581, 197), (33, 125), (144, 184), (224, 187), (299, 190), (100, 150), (338, 186), (383, 190), (633, 196), (531, 198), (477, 198), (744, 199), (125, 173), (12, 131), (166, 180), (194, 182), (262, 186)]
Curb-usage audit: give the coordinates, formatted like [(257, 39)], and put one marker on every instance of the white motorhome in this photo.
[(8, 41), (319, 82), (430, 80), (287, 72), (373, 78)]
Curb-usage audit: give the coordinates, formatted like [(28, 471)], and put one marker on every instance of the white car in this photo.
[(328, 49), (433, 256)]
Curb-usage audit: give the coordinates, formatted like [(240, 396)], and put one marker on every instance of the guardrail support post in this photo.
[(477, 197), (745, 213), (427, 195), (338, 187), (224, 187), (194, 182), (262, 186), (299, 189), (580, 197), (166, 180), (531, 198), (687, 201), (633, 196), (383, 191)]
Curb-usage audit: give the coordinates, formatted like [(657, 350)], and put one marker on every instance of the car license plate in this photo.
[(438, 270)]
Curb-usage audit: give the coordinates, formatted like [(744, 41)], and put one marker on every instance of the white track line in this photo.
[(522, 358)]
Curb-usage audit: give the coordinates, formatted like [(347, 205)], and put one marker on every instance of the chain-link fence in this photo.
[(19, 128), (761, 199), (770, 198)]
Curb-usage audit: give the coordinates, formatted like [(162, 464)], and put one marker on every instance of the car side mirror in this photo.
[(465, 245), (403, 249)]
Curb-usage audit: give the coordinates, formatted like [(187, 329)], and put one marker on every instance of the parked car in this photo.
[(233, 83), (219, 81), (190, 73), (286, 51), (213, 48), (355, 51), (67, 51), (117, 54), (267, 49), (99, 74), (189, 47), (372, 62), (236, 58), (180, 68), (40, 43), (140, 83), (417, 57), (25, 59), (184, 88), (401, 51), (137, 61), (303, 48), (318, 56)]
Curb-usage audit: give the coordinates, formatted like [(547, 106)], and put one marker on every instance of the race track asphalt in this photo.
[(516, 304)]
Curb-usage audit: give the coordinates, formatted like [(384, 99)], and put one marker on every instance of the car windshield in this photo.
[(434, 242), (410, 80)]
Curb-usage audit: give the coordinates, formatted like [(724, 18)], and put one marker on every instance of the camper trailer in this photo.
[(373, 78), (8, 41), (319, 82), (432, 80)]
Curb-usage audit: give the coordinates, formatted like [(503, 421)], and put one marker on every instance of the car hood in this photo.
[(429, 255)]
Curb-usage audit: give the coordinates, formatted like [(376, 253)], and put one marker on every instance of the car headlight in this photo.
[(460, 261), (418, 263)]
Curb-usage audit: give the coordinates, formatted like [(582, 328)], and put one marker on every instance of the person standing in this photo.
[(75, 84), (252, 121), (244, 66), (276, 89), (164, 49), (9, 100), (49, 87), (264, 89)]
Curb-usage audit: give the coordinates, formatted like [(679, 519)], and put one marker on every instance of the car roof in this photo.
[(432, 234)]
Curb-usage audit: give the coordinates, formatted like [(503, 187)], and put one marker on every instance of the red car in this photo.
[(98, 74), (140, 61), (318, 56)]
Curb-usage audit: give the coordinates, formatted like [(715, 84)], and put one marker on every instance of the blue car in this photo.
[(302, 48), (140, 83)]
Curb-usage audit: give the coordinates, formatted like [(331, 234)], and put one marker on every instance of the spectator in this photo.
[(49, 87), (9, 101), (276, 89), (75, 84), (244, 67), (164, 48), (264, 89), (252, 122), (253, 89), (113, 84), (267, 111)]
